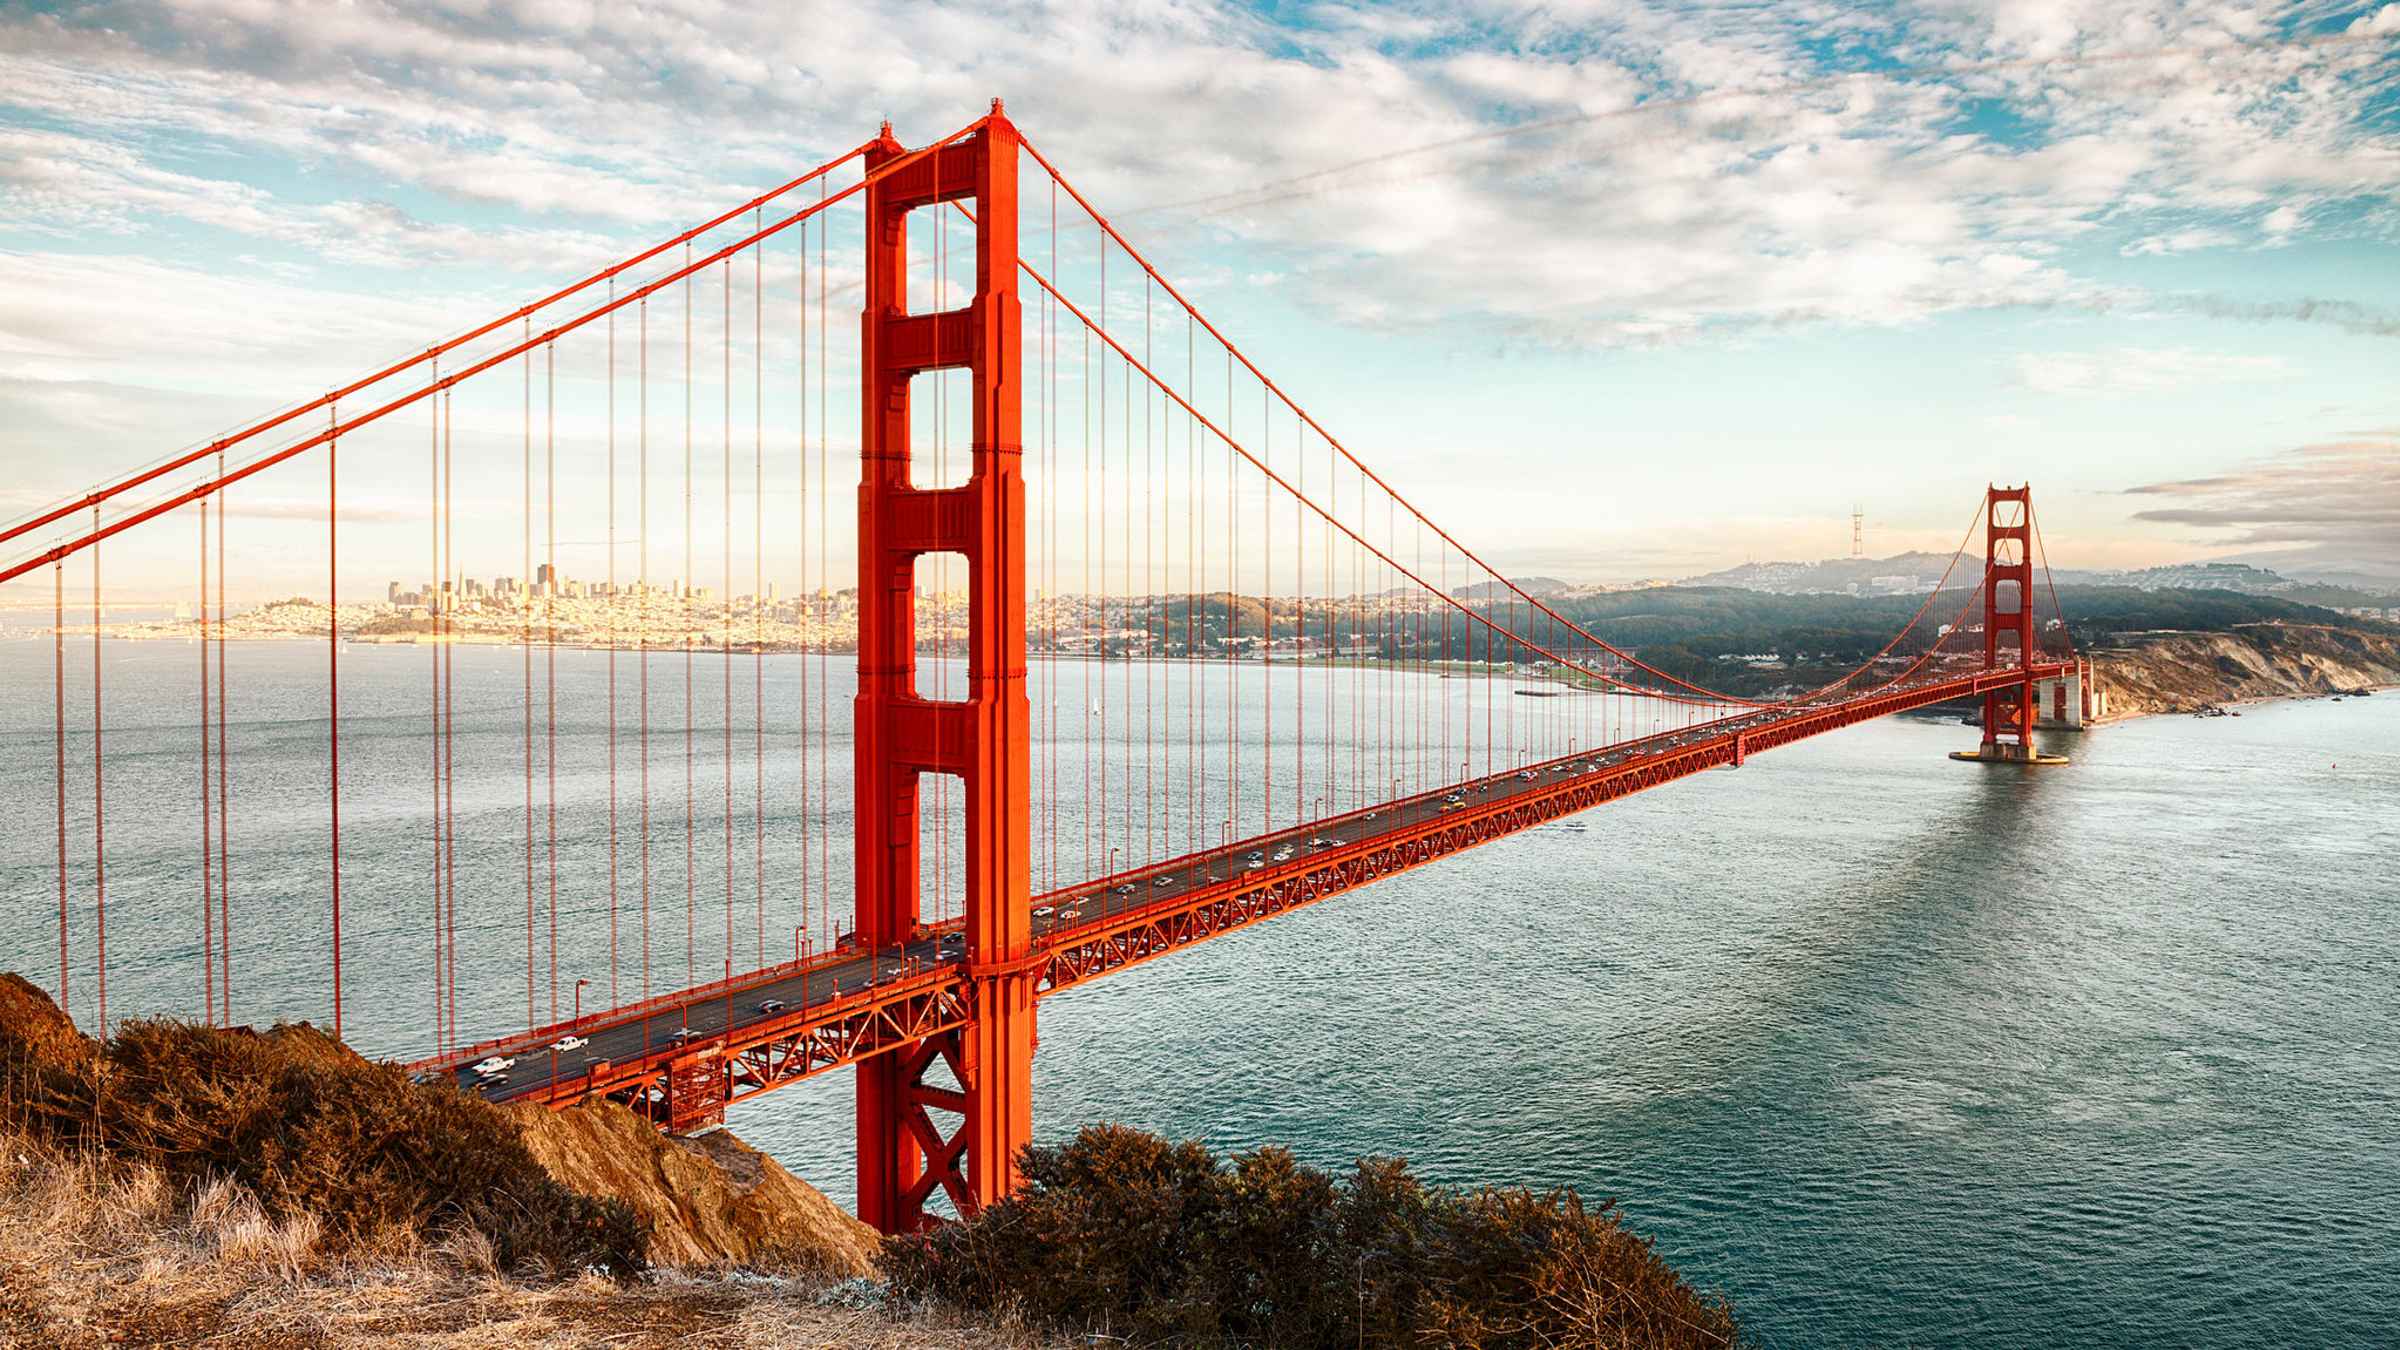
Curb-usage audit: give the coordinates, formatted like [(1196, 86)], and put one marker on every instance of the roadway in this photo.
[(701, 1016)]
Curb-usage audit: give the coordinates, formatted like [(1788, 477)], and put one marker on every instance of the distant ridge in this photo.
[(1916, 573), (1550, 588)]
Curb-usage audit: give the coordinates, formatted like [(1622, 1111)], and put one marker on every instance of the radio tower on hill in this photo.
[(1858, 531)]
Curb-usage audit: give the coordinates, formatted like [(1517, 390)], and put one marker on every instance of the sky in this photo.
[(1626, 290)]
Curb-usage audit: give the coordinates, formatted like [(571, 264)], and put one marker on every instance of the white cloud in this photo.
[(2180, 241), (2139, 369), (1696, 169)]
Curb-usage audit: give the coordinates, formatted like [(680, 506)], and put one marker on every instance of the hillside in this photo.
[(2163, 672), (248, 1189), (1710, 635), (190, 1185)]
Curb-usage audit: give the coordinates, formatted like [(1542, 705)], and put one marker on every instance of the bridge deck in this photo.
[(688, 1054)]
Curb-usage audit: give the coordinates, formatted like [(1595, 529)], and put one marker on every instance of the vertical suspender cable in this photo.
[(615, 606), (449, 651), (758, 585), (208, 866), (805, 599), (333, 699), (550, 643), (224, 788), (58, 687), (438, 601), (525, 648), (99, 836), (725, 602), (824, 556), (641, 613), (691, 882)]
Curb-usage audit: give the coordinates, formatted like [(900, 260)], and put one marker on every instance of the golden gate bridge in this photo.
[(1325, 697)]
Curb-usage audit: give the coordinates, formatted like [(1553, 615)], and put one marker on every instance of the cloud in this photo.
[(1611, 174), (2336, 501), (2139, 369)]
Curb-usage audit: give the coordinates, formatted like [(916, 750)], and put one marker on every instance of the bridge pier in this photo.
[(916, 1131)]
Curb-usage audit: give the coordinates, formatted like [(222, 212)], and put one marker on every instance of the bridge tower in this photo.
[(916, 1133), (2008, 709)]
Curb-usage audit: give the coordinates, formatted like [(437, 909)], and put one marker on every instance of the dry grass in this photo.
[(97, 1253)]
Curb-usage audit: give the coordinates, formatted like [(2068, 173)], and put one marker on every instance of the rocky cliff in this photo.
[(710, 1200), (2185, 672)]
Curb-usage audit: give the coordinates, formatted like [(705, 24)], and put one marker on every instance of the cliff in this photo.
[(2184, 672), (274, 1188), (707, 1201), (309, 1125)]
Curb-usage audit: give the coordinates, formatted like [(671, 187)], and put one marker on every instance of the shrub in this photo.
[(309, 1128), (1169, 1244)]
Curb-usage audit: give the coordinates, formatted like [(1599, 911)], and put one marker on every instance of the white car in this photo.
[(681, 1034), (1163, 882), (1042, 911), (493, 1065), (1126, 889), (565, 1043), (1070, 913)]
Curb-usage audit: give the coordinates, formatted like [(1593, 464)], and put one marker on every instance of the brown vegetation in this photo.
[(96, 1253), (200, 1186), (1168, 1244), (308, 1129), (705, 1201), (203, 1187)]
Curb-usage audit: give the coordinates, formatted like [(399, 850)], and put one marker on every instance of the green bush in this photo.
[(1167, 1244)]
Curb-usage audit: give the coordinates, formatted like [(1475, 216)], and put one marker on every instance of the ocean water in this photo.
[(1888, 1049)]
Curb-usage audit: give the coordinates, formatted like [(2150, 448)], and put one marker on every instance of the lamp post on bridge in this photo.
[(579, 984)]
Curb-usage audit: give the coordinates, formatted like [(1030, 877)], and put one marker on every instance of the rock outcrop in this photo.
[(34, 1032), (2185, 672), (710, 1200)]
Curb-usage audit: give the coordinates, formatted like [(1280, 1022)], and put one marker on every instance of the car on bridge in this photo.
[(566, 1043), (771, 1006), (496, 1064)]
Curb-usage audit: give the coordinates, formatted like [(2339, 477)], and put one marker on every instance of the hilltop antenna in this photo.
[(1858, 531)]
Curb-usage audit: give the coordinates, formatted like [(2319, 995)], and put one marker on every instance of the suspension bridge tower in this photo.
[(916, 1131), (2009, 708)]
